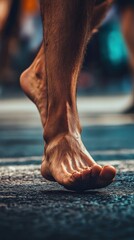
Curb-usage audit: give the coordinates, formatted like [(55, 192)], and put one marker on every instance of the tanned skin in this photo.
[(51, 83)]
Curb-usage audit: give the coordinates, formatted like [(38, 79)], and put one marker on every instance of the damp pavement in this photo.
[(33, 208)]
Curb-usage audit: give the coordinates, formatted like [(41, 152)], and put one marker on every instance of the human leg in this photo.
[(67, 29)]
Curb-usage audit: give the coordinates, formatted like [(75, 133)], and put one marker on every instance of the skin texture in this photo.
[(51, 83)]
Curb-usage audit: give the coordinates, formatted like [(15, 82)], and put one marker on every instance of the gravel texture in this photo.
[(33, 208)]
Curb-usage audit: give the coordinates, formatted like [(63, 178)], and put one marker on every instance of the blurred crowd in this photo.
[(20, 37)]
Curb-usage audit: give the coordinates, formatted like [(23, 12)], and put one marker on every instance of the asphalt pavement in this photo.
[(34, 208)]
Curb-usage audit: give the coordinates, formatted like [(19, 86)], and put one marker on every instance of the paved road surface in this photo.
[(33, 208)]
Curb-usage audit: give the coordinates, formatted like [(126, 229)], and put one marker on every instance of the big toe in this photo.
[(108, 173)]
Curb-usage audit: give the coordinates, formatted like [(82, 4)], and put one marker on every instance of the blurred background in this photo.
[(106, 69), (30, 205), (20, 37), (105, 83)]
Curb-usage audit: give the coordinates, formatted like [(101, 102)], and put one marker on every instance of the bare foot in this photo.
[(66, 160)]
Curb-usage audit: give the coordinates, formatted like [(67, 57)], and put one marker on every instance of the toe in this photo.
[(106, 176), (95, 171), (90, 176), (86, 174), (93, 176), (87, 179), (108, 173), (76, 176), (74, 182), (91, 173), (98, 177)]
